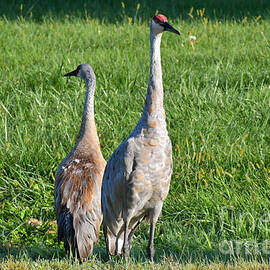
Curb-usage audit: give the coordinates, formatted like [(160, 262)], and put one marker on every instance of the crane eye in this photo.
[(156, 20)]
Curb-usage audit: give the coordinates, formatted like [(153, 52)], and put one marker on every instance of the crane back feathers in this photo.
[(136, 179), (78, 206), (77, 184)]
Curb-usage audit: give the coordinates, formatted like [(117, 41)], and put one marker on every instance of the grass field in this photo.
[(217, 100)]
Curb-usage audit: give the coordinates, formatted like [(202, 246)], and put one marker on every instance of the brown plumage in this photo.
[(78, 181)]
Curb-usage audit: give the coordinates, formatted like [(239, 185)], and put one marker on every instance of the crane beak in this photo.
[(72, 73), (168, 27)]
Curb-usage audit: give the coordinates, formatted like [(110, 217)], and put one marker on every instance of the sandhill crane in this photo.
[(137, 176), (78, 180)]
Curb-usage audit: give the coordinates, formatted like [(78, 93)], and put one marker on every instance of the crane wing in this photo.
[(77, 201), (114, 184)]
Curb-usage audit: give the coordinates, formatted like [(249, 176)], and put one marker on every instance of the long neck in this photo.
[(88, 131), (154, 98)]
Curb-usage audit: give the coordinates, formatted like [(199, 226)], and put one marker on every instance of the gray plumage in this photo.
[(137, 176)]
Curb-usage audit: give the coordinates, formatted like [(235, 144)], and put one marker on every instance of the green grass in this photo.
[(217, 100)]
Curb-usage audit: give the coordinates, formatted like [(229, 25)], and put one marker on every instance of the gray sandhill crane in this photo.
[(78, 180), (137, 177)]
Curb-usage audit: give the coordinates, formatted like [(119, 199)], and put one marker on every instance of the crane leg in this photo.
[(126, 242), (150, 248), (154, 215), (133, 231)]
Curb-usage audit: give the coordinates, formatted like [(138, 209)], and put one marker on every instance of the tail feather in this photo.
[(86, 236), (86, 233), (110, 240), (84, 246), (66, 232), (114, 243), (79, 233)]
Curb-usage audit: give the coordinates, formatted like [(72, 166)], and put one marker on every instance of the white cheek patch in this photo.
[(157, 27)]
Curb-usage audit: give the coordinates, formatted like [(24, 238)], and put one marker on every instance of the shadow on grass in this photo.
[(138, 255), (193, 255), (212, 255), (118, 10), (45, 253), (33, 253)]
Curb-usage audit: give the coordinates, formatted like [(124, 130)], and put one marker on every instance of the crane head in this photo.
[(160, 24), (83, 71), (74, 72)]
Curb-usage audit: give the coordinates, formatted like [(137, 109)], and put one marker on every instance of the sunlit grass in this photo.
[(217, 100)]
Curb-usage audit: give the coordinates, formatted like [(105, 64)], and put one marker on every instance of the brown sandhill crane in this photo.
[(78, 180), (137, 177)]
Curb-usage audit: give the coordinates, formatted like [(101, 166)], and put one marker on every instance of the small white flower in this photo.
[(192, 38)]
